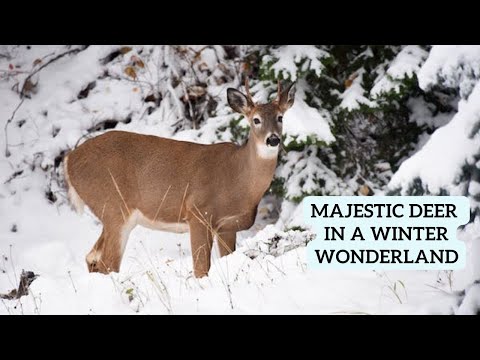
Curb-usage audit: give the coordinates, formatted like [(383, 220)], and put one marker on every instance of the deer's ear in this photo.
[(238, 101), (287, 96)]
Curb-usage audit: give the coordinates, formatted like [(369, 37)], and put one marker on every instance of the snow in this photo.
[(472, 232), (156, 275), (354, 95), (304, 171), (452, 66), (422, 115), (407, 63), (302, 121), (474, 188), (268, 272), (471, 302), (285, 60), (271, 242), (437, 164), (291, 216)]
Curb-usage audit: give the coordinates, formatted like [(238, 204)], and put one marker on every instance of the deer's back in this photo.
[(155, 175)]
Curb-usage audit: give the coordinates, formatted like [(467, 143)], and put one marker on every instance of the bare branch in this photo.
[(52, 60), (7, 151)]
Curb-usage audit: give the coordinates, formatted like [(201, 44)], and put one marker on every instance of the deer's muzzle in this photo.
[(273, 140)]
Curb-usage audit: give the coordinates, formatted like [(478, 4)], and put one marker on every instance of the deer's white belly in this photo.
[(180, 227)]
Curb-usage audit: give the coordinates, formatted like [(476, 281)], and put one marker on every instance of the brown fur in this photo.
[(128, 179)]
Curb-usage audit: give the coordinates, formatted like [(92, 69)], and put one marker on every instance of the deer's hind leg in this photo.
[(107, 253), (93, 257)]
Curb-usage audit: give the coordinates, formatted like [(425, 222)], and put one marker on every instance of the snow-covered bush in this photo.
[(271, 242), (449, 161), (358, 114), (67, 94)]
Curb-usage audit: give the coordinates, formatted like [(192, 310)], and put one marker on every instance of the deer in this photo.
[(209, 190)]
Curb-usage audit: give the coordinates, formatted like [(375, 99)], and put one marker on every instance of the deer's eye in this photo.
[(280, 118), (256, 121)]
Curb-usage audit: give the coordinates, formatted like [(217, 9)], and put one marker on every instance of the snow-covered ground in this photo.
[(51, 240), (156, 275)]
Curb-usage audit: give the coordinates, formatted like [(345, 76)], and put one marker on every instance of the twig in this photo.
[(7, 152), (438, 289), (27, 80), (15, 175), (119, 192), (181, 206), (13, 72), (223, 277), (190, 107), (11, 261), (70, 276), (158, 210), (98, 127)]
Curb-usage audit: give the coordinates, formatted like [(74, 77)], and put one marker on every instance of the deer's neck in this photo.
[(259, 164)]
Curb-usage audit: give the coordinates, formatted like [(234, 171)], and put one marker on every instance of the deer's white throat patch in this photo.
[(267, 152)]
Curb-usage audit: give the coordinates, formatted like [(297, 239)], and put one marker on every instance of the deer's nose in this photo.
[(273, 140)]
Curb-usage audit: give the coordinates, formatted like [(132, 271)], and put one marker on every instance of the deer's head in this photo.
[(265, 120)]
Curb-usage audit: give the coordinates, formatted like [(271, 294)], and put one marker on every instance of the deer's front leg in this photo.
[(226, 242), (201, 240)]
